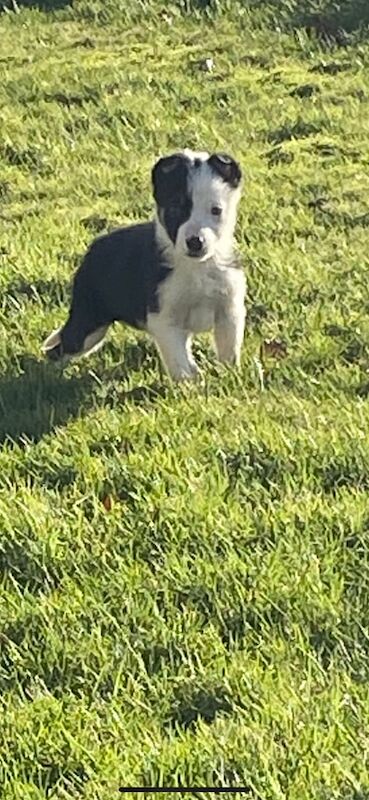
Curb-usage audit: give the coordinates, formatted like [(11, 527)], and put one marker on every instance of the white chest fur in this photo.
[(193, 294)]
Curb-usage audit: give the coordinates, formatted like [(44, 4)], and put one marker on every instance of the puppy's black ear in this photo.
[(227, 168), (169, 177)]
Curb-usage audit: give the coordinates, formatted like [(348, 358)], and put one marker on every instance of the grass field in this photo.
[(185, 571)]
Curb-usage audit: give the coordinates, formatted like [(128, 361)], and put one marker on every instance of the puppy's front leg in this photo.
[(174, 347), (229, 333)]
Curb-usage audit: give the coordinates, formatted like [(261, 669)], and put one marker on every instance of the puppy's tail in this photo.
[(67, 340), (53, 346), (73, 339)]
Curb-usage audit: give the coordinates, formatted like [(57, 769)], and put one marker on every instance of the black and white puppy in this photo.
[(175, 276)]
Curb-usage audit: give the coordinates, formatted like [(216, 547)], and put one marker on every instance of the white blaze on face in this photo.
[(199, 155), (213, 214)]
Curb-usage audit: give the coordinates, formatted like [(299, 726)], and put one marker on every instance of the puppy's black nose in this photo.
[(195, 245)]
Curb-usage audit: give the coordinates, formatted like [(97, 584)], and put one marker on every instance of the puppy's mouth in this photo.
[(197, 256), (201, 255)]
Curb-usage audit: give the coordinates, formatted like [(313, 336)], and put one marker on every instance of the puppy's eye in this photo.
[(216, 211)]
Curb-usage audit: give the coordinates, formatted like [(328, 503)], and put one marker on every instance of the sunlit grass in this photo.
[(185, 571)]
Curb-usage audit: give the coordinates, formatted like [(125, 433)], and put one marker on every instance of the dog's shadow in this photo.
[(37, 397)]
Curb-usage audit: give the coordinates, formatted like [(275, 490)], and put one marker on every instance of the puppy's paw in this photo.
[(195, 371), (188, 373)]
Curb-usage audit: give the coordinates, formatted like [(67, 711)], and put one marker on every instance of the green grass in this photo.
[(185, 571)]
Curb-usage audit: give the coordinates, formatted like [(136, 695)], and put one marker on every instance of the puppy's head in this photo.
[(196, 196)]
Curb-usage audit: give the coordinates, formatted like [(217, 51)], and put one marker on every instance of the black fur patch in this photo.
[(117, 281), (170, 184), (227, 168)]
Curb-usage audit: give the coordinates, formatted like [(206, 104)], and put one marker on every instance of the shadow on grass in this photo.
[(329, 21), (42, 5), (333, 18), (333, 22), (38, 399), (41, 398)]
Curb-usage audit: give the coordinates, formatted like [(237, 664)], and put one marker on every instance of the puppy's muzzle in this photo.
[(195, 246)]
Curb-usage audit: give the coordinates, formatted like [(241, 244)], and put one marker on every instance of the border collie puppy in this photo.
[(175, 276)]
